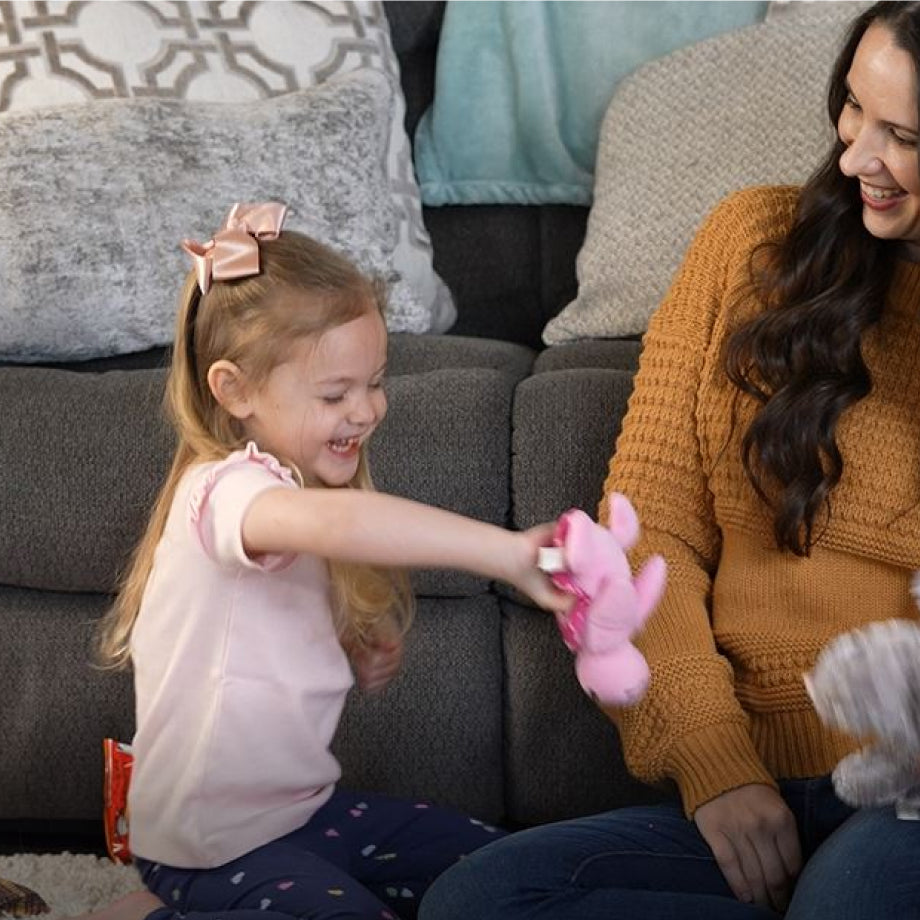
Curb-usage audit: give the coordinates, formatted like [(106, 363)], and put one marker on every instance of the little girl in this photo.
[(267, 576)]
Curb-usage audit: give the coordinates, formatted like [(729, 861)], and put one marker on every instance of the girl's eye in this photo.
[(332, 400), (904, 141), (851, 101), (377, 385)]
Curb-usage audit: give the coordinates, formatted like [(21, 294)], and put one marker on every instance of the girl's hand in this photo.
[(753, 836), (377, 664), (528, 578)]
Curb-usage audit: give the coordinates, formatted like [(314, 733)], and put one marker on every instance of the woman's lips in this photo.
[(879, 199)]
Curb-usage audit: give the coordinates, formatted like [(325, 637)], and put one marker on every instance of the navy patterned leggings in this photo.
[(361, 857)]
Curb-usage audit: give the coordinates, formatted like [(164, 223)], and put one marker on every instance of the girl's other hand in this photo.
[(753, 836), (375, 665)]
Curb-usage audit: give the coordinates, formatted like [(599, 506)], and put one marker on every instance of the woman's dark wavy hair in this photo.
[(825, 283)]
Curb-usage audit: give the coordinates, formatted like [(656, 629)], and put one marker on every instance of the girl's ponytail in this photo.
[(115, 632)]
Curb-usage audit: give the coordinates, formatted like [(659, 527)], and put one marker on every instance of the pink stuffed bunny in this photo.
[(611, 605)]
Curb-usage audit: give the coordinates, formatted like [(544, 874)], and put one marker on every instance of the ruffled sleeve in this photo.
[(220, 495)]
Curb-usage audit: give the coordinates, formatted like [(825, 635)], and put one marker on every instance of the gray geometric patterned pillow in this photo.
[(95, 199), (54, 54), (744, 108)]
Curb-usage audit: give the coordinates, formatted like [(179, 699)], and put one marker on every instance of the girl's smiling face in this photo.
[(878, 125), (319, 406)]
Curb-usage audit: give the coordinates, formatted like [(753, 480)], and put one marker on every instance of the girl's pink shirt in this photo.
[(240, 679)]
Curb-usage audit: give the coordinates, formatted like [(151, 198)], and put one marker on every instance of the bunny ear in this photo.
[(624, 522)]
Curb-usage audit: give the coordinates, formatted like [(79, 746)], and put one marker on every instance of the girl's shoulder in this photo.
[(249, 462)]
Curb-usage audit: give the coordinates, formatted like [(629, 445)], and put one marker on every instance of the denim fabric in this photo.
[(360, 856), (650, 862)]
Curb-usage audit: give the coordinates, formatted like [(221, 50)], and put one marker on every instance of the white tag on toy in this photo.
[(551, 559)]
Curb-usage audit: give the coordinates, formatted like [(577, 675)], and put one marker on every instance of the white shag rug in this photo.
[(70, 883)]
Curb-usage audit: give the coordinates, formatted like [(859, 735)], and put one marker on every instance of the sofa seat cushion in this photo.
[(562, 754), (57, 707), (436, 731)]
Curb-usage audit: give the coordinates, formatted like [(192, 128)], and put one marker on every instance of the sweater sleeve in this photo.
[(690, 727)]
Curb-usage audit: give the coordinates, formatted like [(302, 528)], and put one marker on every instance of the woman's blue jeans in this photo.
[(651, 863)]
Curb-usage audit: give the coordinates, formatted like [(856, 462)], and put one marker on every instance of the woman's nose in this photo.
[(860, 157)]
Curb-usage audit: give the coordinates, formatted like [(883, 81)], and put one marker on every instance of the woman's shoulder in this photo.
[(760, 212)]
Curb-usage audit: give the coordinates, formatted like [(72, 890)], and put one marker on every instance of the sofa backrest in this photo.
[(511, 268)]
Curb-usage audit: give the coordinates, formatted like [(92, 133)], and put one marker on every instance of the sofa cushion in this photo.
[(72, 515), (436, 731), (89, 254), (57, 707), (438, 739), (615, 354), (682, 132), (564, 429), (207, 52), (413, 354), (562, 754), (81, 459), (446, 441)]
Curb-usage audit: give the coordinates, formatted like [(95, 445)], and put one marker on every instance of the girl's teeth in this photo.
[(343, 445)]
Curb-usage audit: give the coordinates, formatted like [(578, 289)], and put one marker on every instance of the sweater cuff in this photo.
[(714, 760)]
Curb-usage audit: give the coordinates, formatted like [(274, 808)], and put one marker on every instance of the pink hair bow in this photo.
[(234, 251)]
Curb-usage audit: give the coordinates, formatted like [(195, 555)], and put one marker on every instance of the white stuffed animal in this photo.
[(867, 683)]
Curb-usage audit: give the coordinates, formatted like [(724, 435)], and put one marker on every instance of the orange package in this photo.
[(118, 763)]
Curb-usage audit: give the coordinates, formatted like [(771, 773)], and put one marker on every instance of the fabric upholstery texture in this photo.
[(433, 418), (441, 740), (560, 749), (758, 107), (487, 712), (89, 254), (56, 701), (522, 88), (219, 52), (436, 738), (579, 410), (71, 528)]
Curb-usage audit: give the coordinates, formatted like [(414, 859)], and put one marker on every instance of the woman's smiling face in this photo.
[(878, 125)]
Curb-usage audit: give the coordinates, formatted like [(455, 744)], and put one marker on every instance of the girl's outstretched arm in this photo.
[(359, 526)]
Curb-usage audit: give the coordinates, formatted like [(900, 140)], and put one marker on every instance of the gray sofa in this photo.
[(487, 715)]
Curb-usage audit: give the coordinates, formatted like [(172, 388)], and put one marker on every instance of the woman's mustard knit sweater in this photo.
[(741, 621)]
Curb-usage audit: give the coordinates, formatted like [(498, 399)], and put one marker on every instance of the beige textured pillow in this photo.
[(745, 108)]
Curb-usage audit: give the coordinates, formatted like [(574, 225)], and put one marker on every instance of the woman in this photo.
[(780, 384)]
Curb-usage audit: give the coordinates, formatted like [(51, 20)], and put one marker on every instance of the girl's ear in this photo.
[(228, 386)]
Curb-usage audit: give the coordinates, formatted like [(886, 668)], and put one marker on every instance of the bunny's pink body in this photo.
[(611, 604)]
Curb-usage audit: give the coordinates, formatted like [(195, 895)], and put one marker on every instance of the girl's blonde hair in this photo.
[(302, 289)]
